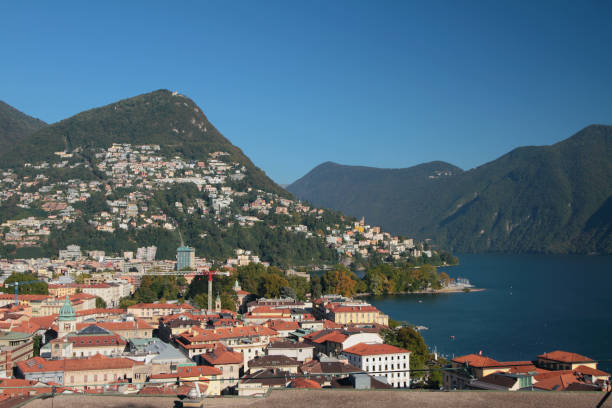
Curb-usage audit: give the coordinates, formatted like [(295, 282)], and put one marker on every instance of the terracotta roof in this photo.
[(96, 341), (221, 355), (304, 383), (475, 360), (117, 326), (322, 336), (197, 335), (282, 325), (191, 371), (591, 371), (555, 380), (363, 349), (97, 362), (352, 309), (565, 357)]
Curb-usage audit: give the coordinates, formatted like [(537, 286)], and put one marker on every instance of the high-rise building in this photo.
[(185, 258)]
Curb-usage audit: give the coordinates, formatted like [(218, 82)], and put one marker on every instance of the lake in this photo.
[(532, 304)]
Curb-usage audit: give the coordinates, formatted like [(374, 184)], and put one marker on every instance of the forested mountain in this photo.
[(15, 125), (166, 118), (549, 199), (153, 171)]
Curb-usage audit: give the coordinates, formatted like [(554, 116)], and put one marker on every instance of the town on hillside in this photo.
[(125, 193)]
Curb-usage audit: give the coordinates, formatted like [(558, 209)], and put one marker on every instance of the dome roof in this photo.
[(67, 311)]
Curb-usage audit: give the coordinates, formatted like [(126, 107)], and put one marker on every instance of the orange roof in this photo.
[(352, 309), (97, 362), (96, 341), (591, 371), (555, 380), (475, 360), (191, 371), (363, 349), (283, 325), (221, 355), (304, 383), (211, 335), (565, 357), (117, 326)]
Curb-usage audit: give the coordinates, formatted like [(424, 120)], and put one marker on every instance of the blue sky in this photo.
[(295, 84)]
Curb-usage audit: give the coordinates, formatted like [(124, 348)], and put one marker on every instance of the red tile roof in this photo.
[(97, 362), (304, 383), (363, 349), (220, 355), (197, 335), (565, 357), (192, 371), (97, 341), (475, 360), (591, 371), (117, 326), (174, 306)]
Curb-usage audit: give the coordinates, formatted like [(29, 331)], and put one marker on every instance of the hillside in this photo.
[(153, 171), (168, 119), (548, 199), (15, 125), (381, 195)]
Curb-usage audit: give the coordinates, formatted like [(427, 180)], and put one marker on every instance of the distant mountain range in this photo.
[(544, 199), (15, 125)]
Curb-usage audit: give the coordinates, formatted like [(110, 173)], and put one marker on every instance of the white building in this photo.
[(382, 360)]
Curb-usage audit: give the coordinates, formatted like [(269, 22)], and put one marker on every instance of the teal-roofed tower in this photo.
[(66, 319)]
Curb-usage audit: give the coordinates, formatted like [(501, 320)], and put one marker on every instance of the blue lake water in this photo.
[(532, 304)]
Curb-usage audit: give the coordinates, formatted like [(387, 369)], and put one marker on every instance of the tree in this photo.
[(37, 340), (36, 288), (287, 291), (100, 303), (340, 281)]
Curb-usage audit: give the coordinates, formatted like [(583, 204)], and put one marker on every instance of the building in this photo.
[(151, 312), (14, 347), (300, 351), (367, 314), (382, 360), (563, 360), (81, 373), (185, 258), (228, 362)]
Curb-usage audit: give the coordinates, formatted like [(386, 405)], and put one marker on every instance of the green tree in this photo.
[(36, 288), (100, 303)]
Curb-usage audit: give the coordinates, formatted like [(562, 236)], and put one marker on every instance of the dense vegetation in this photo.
[(549, 199), (427, 372), (35, 288), (15, 125)]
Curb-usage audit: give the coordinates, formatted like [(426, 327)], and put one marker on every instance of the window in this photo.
[(72, 379), (105, 377), (95, 377)]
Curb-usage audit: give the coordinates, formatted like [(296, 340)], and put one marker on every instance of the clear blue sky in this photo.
[(294, 84)]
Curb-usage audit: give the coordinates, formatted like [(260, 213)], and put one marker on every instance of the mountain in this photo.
[(544, 199), (165, 118), (15, 125), (153, 171)]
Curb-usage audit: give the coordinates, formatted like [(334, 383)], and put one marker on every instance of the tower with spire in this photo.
[(66, 320)]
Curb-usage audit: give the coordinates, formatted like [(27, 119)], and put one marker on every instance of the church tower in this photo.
[(66, 320), (218, 304)]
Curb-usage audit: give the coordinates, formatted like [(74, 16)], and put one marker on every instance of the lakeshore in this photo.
[(426, 292), (532, 304)]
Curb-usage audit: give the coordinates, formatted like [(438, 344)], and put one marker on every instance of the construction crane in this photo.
[(202, 271), (16, 285)]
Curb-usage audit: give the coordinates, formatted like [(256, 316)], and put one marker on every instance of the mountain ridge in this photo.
[(15, 125), (527, 183)]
